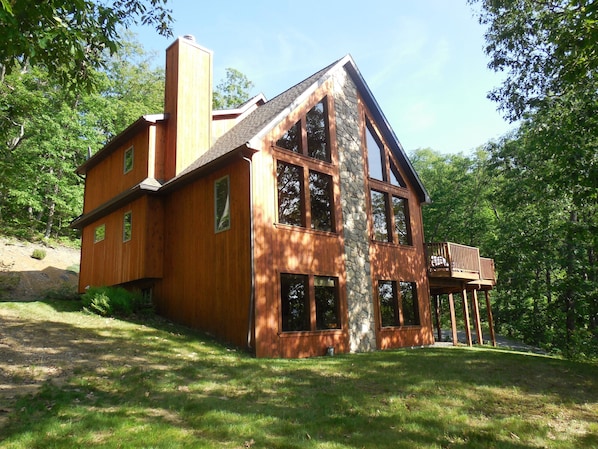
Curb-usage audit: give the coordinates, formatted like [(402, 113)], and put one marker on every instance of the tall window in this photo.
[(127, 226), (222, 204), (309, 303), (304, 173), (128, 159), (389, 207), (398, 303)]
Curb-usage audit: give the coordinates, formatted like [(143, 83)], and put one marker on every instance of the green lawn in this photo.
[(150, 384)]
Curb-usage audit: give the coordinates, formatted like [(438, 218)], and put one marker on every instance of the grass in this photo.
[(151, 384)]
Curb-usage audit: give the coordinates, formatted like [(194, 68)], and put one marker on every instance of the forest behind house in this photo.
[(529, 199)]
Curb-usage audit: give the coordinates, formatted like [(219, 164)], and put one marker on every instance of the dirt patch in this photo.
[(24, 278)]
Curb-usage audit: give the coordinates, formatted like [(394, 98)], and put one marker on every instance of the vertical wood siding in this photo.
[(106, 180), (112, 261), (207, 275)]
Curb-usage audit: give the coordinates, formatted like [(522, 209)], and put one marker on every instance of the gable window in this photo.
[(309, 303), (127, 226), (398, 303), (99, 233), (128, 159), (294, 200), (222, 204), (309, 136), (388, 203)]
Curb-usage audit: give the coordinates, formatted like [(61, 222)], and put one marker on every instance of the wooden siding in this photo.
[(289, 249), (112, 261), (106, 180), (188, 102), (207, 275), (394, 262)]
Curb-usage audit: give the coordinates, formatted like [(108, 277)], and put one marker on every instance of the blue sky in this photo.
[(422, 59)]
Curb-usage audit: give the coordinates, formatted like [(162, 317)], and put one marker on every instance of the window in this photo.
[(293, 201), (389, 207), (99, 233), (222, 204), (401, 220), (398, 306), (127, 226), (309, 302), (128, 160), (309, 136)]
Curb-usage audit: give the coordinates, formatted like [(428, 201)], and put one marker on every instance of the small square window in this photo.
[(398, 303), (127, 226), (222, 204), (99, 233), (128, 161)]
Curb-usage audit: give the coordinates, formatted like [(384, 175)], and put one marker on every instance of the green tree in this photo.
[(69, 38), (48, 130), (459, 186), (546, 47), (232, 91)]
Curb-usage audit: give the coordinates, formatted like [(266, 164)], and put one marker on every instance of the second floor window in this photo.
[(128, 159), (309, 207), (388, 191)]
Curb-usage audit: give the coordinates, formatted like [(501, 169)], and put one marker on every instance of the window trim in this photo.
[(131, 151), (103, 234), (130, 236), (218, 229)]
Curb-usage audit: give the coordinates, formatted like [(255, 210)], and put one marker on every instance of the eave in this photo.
[(142, 122)]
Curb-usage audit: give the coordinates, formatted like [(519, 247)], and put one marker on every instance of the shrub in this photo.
[(111, 301), (38, 254)]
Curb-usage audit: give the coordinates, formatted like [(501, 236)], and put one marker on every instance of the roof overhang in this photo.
[(142, 122)]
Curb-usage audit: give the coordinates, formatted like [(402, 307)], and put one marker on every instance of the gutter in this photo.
[(250, 320)]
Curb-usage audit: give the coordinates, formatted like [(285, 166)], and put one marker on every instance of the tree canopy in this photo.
[(69, 38)]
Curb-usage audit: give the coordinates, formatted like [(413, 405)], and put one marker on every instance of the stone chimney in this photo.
[(188, 103)]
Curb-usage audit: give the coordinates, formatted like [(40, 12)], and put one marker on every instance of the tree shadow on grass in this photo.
[(151, 383)]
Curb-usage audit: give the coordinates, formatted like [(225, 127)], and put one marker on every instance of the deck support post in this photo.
[(490, 319), (466, 315), (453, 319), (476, 317), (437, 316)]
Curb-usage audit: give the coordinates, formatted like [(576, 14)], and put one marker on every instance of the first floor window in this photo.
[(127, 226), (398, 303), (309, 302), (222, 204), (99, 233)]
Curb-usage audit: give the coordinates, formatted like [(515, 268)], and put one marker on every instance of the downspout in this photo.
[(251, 243)]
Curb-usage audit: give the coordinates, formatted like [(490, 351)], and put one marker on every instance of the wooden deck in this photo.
[(455, 268), (451, 265)]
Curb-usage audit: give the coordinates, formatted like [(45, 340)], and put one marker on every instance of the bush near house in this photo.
[(111, 301)]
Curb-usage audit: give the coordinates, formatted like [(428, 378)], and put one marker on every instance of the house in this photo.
[(290, 226)]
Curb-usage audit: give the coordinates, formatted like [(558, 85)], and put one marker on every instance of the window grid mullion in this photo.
[(311, 297), (306, 198)]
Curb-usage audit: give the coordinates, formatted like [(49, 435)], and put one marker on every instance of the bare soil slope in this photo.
[(23, 278)]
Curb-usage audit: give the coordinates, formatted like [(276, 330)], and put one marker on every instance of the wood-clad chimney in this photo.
[(188, 103)]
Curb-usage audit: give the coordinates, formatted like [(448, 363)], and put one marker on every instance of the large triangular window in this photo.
[(380, 164), (309, 136)]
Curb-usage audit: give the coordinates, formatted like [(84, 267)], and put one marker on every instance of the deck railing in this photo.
[(454, 259), (487, 267)]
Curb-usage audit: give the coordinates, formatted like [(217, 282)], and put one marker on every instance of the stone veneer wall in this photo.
[(362, 333)]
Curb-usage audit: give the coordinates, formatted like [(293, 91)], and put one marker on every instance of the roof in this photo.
[(249, 131)]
